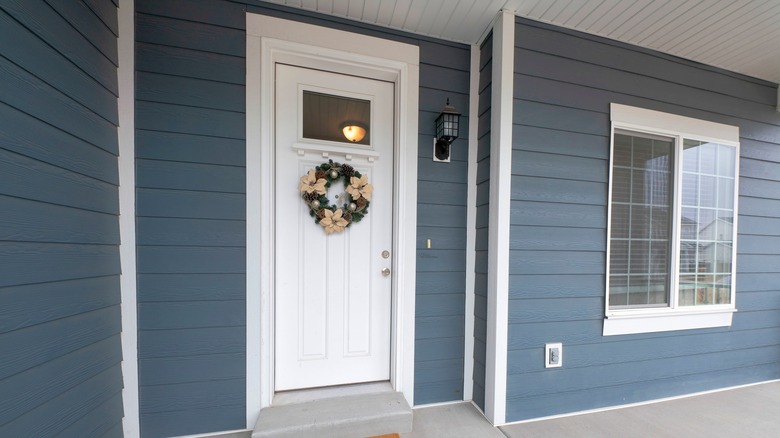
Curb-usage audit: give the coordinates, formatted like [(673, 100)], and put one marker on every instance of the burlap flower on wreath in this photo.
[(360, 187), (311, 184)]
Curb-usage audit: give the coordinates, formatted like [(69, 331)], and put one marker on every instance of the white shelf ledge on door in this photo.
[(349, 153)]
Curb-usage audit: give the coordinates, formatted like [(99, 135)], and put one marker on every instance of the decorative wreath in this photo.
[(335, 218)]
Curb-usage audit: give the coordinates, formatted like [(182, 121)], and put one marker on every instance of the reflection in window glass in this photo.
[(708, 223), (324, 117)]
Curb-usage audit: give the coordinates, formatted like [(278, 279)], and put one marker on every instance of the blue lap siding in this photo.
[(564, 83), (191, 216), (60, 371)]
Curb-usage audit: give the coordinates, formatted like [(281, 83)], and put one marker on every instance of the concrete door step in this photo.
[(358, 416)]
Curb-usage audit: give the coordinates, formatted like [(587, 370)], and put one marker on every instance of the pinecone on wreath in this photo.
[(347, 216), (321, 213), (308, 197), (319, 174), (348, 171), (361, 203)]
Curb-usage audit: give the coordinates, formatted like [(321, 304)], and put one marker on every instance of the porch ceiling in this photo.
[(741, 36)]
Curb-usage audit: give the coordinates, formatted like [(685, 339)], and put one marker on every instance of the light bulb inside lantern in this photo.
[(354, 133)]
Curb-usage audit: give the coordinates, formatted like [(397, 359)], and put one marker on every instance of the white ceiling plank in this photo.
[(650, 21), (617, 26), (356, 9), (340, 7), (739, 35), (738, 21), (744, 32), (400, 12), (722, 11)]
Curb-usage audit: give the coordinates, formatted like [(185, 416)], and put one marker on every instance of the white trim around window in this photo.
[(672, 315)]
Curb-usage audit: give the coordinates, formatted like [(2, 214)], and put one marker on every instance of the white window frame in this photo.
[(673, 317)]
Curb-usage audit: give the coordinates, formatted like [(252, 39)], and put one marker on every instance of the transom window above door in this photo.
[(672, 222), (336, 118)]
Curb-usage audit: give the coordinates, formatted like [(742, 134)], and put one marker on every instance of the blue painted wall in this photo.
[(564, 82), (60, 321), (483, 212), (190, 153)]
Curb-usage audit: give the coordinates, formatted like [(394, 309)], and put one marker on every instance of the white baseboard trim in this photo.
[(633, 405), (225, 434)]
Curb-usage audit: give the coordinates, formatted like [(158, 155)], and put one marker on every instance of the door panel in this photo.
[(332, 303)]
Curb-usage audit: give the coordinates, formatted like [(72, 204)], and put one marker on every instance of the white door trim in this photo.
[(271, 40)]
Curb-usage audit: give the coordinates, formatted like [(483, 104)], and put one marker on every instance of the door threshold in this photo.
[(312, 394)]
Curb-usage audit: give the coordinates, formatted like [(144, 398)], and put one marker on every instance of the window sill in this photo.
[(665, 320)]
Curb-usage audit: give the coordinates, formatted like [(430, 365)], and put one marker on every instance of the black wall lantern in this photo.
[(447, 130)]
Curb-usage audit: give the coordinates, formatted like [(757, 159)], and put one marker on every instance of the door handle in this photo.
[(386, 272)]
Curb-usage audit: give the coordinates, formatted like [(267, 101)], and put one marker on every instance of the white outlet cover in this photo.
[(553, 355)]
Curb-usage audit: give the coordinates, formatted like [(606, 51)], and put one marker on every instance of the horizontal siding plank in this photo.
[(216, 367), (33, 138), (559, 166), (441, 193), (442, 78), (441, 238), (557, 238), (106, 12), (453, 172), (189, 176), (621, 373), (768, 245), (199, 93), (540, 310), (23, 392), (187, 204), (553, 141), (26, 178), (749, 206), (25, 306), (432, 327), (189, 35), (759, 169), (22, 220), (189, 63), (429, 215), (189, 232), (191, 342), (191, 287), (759, 150), (105, 421), (758, 263), (49, 26), (441, 260), (436, 283), (193, 395), (36, 345), (537, 286), (185, 148), (40, 100), (195, 314), (558, 190), (433, 100), (759, 188), (758, 226), (630, 58), (194, 421), (440, 305), (457, 58), (191, 260), (558, 215), (216, 12), (27, 263), (26, 50), (438, 392), (62, 411), (543, 115), (438, 349), (84, 20), (748, 282), (556, 262), (189, 120), (558, 403)]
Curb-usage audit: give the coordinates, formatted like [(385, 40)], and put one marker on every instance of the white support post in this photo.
[(126, 137), (500, 206)]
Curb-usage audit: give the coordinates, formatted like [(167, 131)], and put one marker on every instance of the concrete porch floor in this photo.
[(752, 411)]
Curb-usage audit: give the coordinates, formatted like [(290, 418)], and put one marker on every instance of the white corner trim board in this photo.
[(471, 224), (500, 206), (271, 40), (126, 137)]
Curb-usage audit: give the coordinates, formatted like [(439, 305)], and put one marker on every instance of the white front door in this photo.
[(332, 298)]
